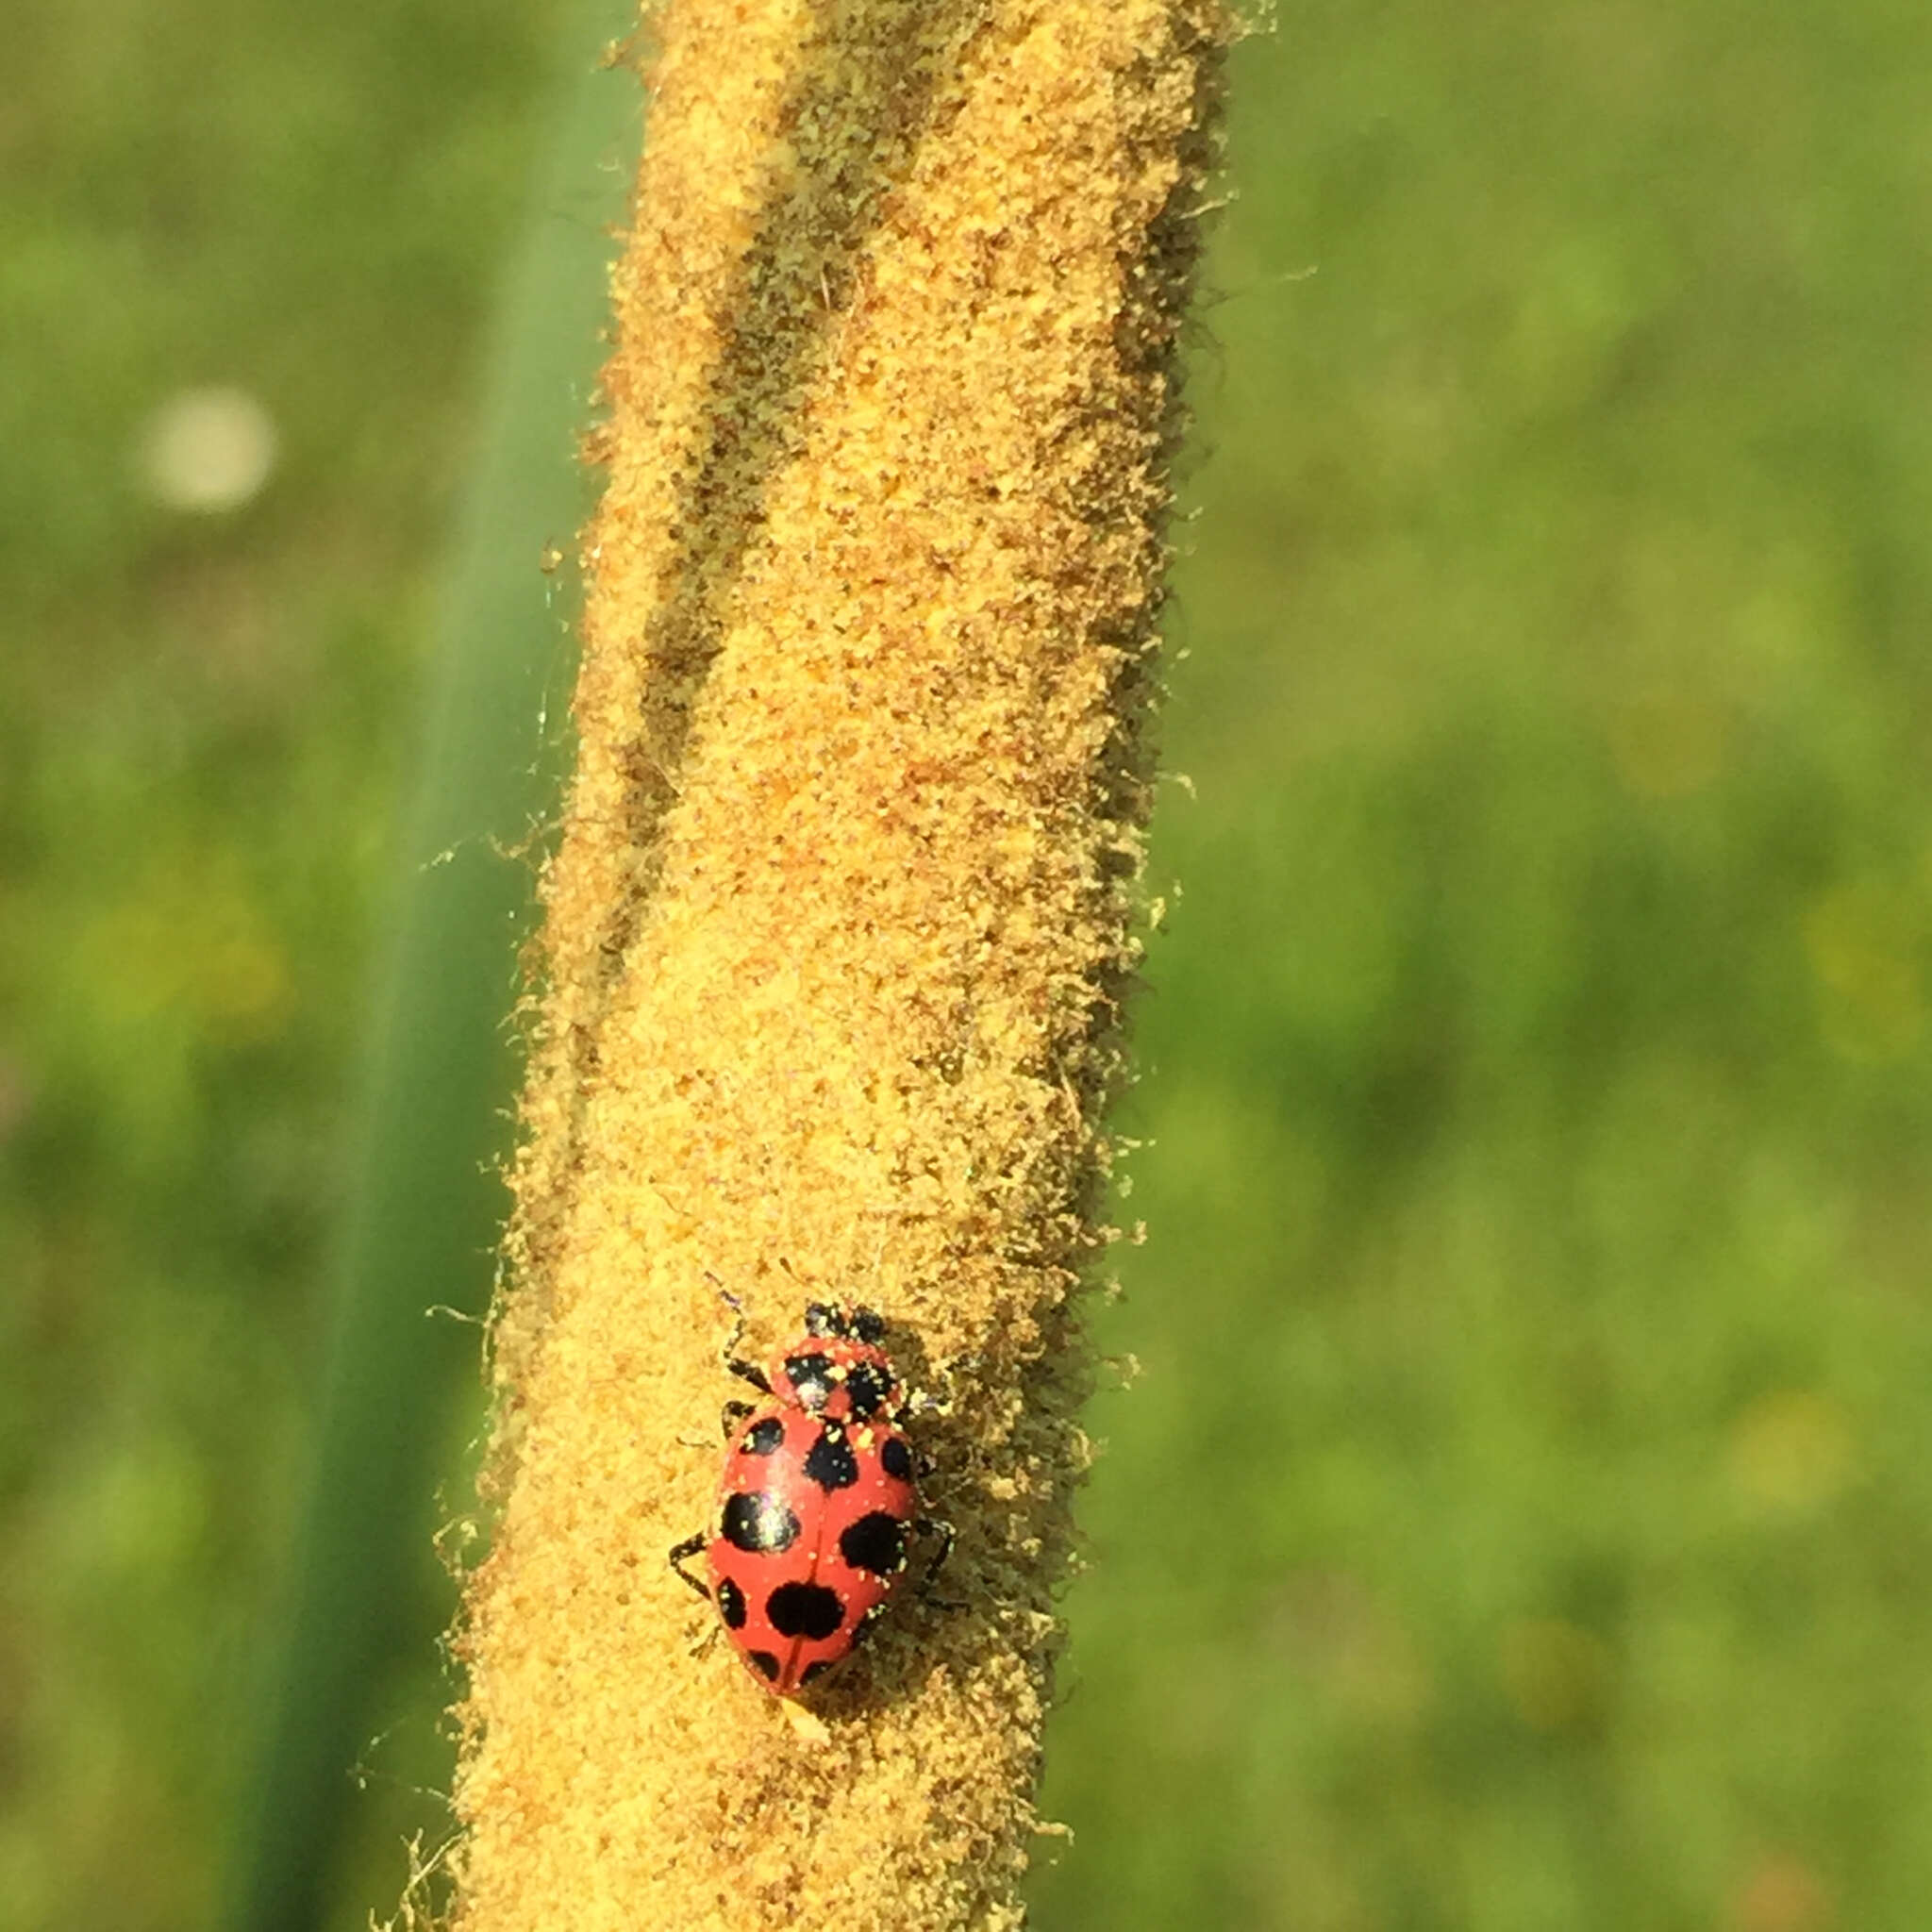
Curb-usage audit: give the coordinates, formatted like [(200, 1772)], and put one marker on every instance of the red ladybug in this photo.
[(818, 1492)]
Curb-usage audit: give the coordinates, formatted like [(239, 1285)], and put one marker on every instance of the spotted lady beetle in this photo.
[(818, 1492)]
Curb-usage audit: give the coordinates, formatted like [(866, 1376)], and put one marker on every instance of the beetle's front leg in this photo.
[(744, 1370), (748, 1371)]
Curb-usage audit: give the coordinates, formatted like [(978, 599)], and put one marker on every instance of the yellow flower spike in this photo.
[(837, 930)]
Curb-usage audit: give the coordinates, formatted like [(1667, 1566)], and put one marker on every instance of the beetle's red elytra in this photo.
[(818, 1494)]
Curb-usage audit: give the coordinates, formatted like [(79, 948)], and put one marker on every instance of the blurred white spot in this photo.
[(207, 450)]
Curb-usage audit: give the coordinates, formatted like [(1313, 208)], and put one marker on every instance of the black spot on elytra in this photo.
[(817, 1670), (831, 1463), (875, 1542), (758, 1522), (764, 1663), (764, 1436), (810, 1376), (732, 1606), (896, 1458), (867, 1388), (804, 1610)]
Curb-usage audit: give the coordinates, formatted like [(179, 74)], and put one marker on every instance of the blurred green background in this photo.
[(1525, 1516)]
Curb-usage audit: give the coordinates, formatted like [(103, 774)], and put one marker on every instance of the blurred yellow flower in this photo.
[(189, 940), (1790, 1453), (1862, 944)]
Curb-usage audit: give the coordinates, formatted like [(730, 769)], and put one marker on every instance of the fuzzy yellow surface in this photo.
[(837, 929)]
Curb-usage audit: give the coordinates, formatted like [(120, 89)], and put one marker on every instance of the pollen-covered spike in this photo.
[(837, 927)]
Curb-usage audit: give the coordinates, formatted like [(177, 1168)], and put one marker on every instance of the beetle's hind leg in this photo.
[(948, 1536)]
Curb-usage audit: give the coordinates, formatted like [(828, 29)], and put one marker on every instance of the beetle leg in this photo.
[(732, 1415), (744, 1370), (682, 1553), (947, 1535), (748, 1371)]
